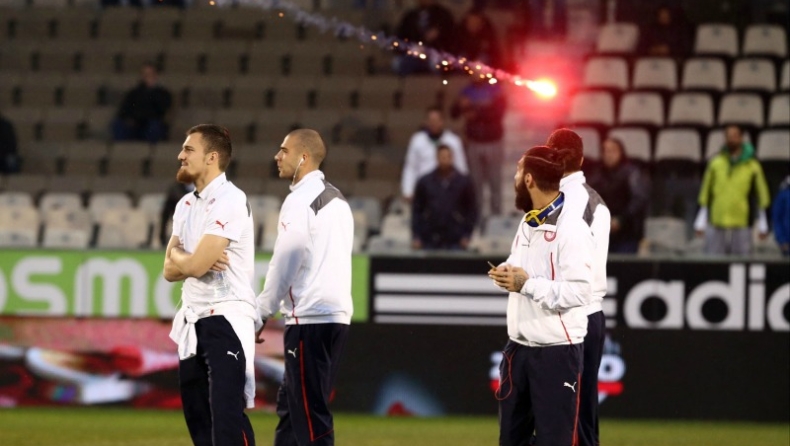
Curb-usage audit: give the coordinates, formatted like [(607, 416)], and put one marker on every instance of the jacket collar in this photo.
[(574, 178), (212, 187), (316, 174)]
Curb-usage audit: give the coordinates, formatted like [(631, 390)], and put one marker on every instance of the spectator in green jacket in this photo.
[(725, 198)]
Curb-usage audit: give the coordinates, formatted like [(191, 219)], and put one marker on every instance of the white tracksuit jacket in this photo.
[(583, 201), (558, 257), (309, 276)]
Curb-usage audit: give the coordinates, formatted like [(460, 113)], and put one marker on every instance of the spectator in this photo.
[(626, 192), (477, 39), (781, 217), (9, 161), (421, 155), (444, 210), (724, 199), (429, 23), (667, 36), (483, 106), (549, 18), (142, 113)]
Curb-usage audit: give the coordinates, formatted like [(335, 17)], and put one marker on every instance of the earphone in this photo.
[(297, 169)]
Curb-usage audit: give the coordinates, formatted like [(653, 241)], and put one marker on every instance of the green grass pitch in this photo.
[(127, 427)]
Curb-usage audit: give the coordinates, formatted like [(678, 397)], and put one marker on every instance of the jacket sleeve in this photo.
[(470, 208), (574, 262), (640, 195), (289, 250), (417, 209), (763, 195), (410, 168), (704, 191), (781, 216)]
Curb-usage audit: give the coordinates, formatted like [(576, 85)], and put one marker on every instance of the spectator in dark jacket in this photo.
[(429, 23), (668, 36), (483, 105), (626, 192), (443, 210), (781, 217), (9, 161), (143, 111), (477, 39)]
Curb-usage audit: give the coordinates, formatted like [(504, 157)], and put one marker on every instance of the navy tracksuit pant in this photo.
[(539, 393), (312, 356), (212, 387), (588, 409)]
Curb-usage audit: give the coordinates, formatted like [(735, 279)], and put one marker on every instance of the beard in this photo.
[(184, 177), (523, 200)]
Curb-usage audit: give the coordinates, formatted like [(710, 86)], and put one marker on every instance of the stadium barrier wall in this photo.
[(685, 340)]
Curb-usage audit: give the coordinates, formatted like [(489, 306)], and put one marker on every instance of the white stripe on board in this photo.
[(400, 303), (441, 320), (437, 283)]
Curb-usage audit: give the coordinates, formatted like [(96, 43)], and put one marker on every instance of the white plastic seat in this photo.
[(606, 72), (18, 226), (715, 141), (18, 237), (704, 73), (741, 108), (784, 80), (779, 110), (765, 40), (59, 200), (591, 143), (641, 108), (716, 38), (261, 204), (655, 73), (65, 238), (636, 142), (122, 228), (596, 107), (678, 144), (16, 199), (691, 109), (666, 234), (101, 202), (620, 38), (773, 145), (396, 226), (753, 74), (67, 218)]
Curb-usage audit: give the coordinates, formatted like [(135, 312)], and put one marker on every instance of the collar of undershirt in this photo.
[(575, 177), (211, 187)]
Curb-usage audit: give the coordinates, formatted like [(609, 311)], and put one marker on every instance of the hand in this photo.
[(416, 244), (615, 225), (762, 235), (464, 243), (511, 278), (258, 337), (222, 263), (699, 233)]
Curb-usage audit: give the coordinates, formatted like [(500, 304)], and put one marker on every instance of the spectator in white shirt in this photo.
[(421, 154)]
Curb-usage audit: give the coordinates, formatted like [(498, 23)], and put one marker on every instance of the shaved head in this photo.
[(310, 142)]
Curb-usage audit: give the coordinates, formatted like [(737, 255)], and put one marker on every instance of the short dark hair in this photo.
[(545, 165), (570, 147), (736, 127), (619, 143), (443, 146), (217, 139), (434, 108)]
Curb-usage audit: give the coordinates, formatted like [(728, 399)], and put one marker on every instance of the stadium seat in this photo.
[(606, 72), (765, 40), (149, 185), (103, 58), (617, 38), (253, 161), (42, 157), (15, 199), (122, 229), (351, 59), (662, 234), (74, 24), (81, 90), (716, 39), (126, 158), (211, 91), (183, 57), (779, 111), (678, 151), (371, 207), (784, 81), (117, 24), (704, 73), (39, 89), (158, 24), (591, 141), (18, 226), (27, 122), (774, 145), (267, 58), (655, 73), (377, 92), (63, 124), (33, 184), (136, 53), (240, 123), (695, 109), (741, 108), (225, 58), (754, 74), (85, 157), (58, 56), (596, 108), (251, 92), (67, 228), (641, 109), (272, 126), (360, 229), (18, 56), (337, 93), (636, 143), (199, 24), (102, 202), (57, 201), (98, 121), (261, 204)]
